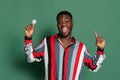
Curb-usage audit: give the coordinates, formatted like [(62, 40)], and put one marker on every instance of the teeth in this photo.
[(64, 29)]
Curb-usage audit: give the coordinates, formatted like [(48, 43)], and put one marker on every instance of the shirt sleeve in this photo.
[(34, 54), (94, 62)]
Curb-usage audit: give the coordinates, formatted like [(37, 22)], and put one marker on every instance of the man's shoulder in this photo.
[(80, 42), (77, 41), (55, 35)]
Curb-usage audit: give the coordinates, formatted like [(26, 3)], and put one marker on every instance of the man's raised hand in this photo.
[(29, 30), (100, 42)]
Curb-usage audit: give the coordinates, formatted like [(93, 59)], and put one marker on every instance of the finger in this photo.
[(100, 39), (26, 28), (32, 25), (29, 27), (96, 35)]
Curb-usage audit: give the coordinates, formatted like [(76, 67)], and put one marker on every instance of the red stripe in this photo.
[(27, 41), (89, 63), (77, 60), (100, 52), (52, 61), (65, 63), (38, 54)]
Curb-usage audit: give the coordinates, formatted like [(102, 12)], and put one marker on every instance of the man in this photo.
[(63, 55)]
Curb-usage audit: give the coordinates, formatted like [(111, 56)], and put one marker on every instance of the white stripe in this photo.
[(80, 63), (99, 62), (28, 52), (73, 60), (46, 60), (60, 63)]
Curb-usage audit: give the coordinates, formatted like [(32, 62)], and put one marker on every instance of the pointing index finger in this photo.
[(96, 35)]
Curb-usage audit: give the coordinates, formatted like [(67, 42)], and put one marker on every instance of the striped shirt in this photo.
[(63, 63)]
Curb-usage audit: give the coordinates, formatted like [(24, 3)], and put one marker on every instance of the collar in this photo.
[(57, 35)]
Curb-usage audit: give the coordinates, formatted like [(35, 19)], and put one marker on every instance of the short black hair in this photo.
[(64, 13)]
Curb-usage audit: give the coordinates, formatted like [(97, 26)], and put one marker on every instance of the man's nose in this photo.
[(63, 24)]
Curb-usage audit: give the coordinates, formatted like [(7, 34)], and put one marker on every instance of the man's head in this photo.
[(64, 23)]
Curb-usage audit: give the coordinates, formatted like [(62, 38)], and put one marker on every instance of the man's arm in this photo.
[(94, 63), (31, 53)]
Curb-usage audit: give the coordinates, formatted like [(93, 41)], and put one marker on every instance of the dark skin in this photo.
[(65, 25)]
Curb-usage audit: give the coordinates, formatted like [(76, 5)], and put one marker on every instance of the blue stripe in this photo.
[(40, 49), (61, 54), (57, 58), (88, 56), (73, 60), (80, 75), (95, 59), (69, 60)]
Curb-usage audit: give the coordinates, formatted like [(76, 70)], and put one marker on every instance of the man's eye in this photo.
[(67, 21), (59, 22)]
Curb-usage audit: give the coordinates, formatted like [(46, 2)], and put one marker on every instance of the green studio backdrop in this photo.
[(89, 15)]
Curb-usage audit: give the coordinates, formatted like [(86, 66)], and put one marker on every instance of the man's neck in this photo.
[(66, 41)]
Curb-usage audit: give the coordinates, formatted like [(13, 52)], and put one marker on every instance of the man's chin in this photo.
[(64, 35)]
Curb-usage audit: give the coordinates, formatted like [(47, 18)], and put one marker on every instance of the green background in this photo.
[(89, 15)]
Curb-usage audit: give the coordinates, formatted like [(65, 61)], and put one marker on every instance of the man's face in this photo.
[(65, 25)]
